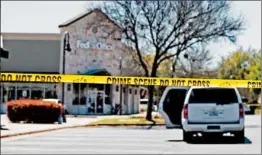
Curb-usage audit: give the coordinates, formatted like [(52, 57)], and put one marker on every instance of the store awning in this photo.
[(95, 72)]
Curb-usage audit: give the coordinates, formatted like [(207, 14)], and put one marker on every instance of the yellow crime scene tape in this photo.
[(179, 82), (254, 105)]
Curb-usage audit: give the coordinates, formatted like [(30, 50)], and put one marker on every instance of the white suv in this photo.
[(204, 110)]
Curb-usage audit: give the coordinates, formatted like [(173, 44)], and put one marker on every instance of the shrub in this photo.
[(36, 111)]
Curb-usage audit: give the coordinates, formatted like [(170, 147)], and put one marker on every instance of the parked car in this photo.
[(204, 110)]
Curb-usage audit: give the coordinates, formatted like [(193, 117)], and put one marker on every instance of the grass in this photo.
[(127, 121), (258, 111)]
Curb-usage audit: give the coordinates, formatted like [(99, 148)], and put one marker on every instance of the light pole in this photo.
[(66, 47), (120, 68)]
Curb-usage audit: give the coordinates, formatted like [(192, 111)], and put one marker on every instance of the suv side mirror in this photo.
[(244, 100)]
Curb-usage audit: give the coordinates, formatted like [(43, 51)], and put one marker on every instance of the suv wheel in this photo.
[(186, 136), (240, 136)]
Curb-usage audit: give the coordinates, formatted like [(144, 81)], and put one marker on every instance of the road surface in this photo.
[(128, 140)]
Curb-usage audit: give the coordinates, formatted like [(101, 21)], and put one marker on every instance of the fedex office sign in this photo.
[(95, 45)]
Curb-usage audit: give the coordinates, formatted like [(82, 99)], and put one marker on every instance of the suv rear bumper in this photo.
[(204, 127)]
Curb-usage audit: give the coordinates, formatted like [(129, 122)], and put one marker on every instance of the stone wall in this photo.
[(90, 28), (96, 44)]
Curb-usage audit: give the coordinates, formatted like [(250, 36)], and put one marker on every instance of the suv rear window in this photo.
[(213, 95)]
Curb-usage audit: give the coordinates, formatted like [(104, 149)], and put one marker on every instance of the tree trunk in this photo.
[(150, 103), (174, 68), (151, 93)]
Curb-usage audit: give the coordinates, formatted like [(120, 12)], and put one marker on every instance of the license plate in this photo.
[(213, 113), (213, 127)]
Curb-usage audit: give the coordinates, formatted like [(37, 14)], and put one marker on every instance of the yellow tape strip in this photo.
[(180, 82), (253, 105)]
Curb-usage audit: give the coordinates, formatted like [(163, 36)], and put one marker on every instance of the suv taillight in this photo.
[(185, 111), (241, 111)]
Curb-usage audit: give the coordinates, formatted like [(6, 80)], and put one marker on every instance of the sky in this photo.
[(45, 16)]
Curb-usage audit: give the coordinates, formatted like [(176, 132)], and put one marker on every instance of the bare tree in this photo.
[(195, 62), (168, 28)]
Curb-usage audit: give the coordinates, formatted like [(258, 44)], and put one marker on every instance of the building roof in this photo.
[(30, 36), (80, 16)]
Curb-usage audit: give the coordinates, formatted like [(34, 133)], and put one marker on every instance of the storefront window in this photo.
[(91, 103), (11, 92), (37, 93), (50, 94), (107, 100), (23, 92), (99, 102), (83, 100), (76, 89), (96, 86), (76, 101), (4, 95), (50, 91)]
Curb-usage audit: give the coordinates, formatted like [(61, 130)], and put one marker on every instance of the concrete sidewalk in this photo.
[(9, 129)]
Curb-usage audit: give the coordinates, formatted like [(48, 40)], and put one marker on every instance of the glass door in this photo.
[(100, 99), (91, 102)]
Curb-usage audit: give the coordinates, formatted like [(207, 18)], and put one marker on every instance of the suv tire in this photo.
[(240, 136), (187, 136)]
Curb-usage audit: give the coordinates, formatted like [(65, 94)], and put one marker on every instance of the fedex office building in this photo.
[(95, 48)]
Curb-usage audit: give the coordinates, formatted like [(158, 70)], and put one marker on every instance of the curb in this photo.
[(96, 125), (39, 131), (76, 126)]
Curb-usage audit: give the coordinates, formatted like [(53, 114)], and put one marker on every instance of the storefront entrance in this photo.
[(95, 102), (92, 100)]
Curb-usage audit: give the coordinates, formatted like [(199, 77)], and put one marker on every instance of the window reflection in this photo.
[(50, 91), (23, 92), (11, 93), (37, 93)]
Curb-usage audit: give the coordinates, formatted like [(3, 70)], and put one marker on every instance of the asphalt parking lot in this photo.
[(129, 140)]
